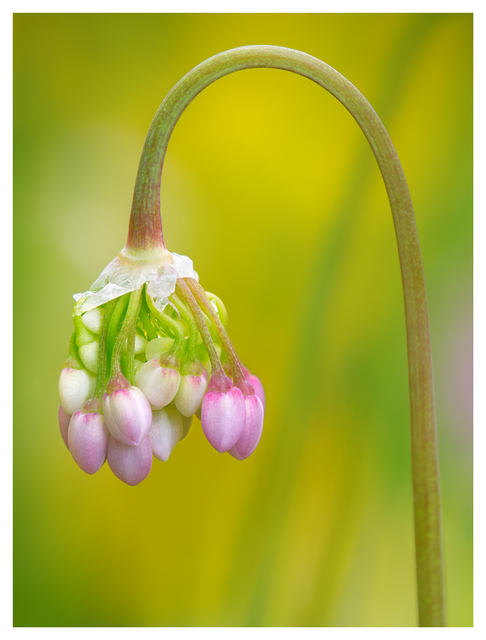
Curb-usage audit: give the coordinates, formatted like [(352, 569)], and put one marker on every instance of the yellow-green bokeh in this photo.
[(270, 187)]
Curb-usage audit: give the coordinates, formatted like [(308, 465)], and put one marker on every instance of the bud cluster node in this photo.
[(140, 368)]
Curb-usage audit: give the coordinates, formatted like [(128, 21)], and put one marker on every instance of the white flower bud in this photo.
[(140, 344), (93, 319), (155, 348), (89, 355), (75, 387), (166, 431)]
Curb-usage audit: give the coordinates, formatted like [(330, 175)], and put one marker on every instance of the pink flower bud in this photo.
[(159, 384), (252, 430), (223, 418), (64, 419), (128, 415), (166, 431), (130, 464), (88, 440), (190, 394), (75, 387), (258, 387)]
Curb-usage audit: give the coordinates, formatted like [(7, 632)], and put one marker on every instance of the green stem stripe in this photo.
[(238, 375), (146, 215), (129, 321), (186, 294)]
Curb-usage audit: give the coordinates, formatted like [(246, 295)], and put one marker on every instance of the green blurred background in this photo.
[(270, 187)]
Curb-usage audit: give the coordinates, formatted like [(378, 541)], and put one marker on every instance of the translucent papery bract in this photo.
[(252, 431), (123, 275), (223, 418), (75, 387), (88, 440), (159, 384), (128, 415), (190, 393), (130, 464), (166, 431)]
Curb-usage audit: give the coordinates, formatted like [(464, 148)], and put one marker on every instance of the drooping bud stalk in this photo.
[(159, 378), (254, 408), (93, 404), (120, 304), (219, 308), (223, 406), (194, 378), (127, 411), (117, 379), (218, 375), (238, 376)]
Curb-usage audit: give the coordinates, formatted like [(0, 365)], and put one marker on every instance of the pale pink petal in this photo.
[(166, 431), (88, 440), (223, 418), (252, 430), (130, 464), (128, 415), (159, 384), (190, 393)]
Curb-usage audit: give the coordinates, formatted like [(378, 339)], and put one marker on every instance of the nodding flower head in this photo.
[(148, 352)]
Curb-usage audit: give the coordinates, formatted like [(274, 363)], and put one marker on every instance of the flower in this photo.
[(149, 352), (190, 393), (88, 440), (130, 464), (153, 363), (252, 429), (166, 431), (159, 383), (223, 418), (128, 415), (75, 387), (153, 358)]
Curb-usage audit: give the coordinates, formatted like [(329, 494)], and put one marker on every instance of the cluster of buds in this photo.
[(149, 352)]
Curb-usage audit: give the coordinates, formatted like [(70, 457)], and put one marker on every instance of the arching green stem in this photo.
[(146, 215)]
